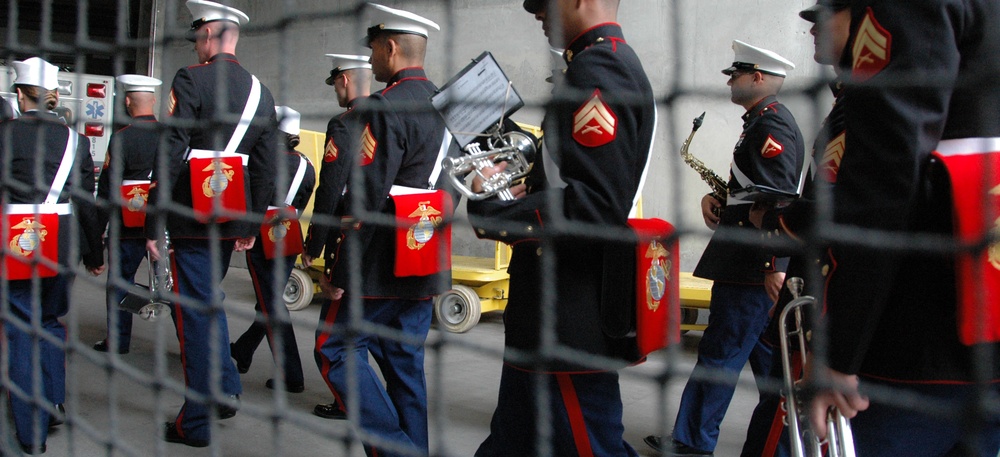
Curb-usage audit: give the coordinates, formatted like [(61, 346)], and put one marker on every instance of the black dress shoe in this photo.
[(225, 411), (57, 419), (29, 450), (242, 365), (102, 346), (330, 411), (295, 389), (676, 449), (172, 436)]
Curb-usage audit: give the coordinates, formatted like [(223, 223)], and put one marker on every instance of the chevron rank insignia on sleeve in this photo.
[(594, 124)]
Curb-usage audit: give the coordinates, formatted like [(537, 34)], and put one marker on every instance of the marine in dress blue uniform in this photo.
[(921, 80), (399, 142), (599, 129), (192, 104), (770, 152), (32, 148), (130, 157), (351, 79), (269, 276), (767, 434), (6, 111)]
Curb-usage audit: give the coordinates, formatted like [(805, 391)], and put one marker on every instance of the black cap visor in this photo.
[(534, 6)]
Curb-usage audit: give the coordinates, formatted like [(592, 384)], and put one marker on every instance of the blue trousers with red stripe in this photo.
[(269, 277), (767, 435), (30, 420), (584, 413), (202, 330), (131, 251), (396, 412)]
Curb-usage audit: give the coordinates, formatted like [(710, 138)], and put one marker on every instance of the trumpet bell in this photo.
[(139, 301)]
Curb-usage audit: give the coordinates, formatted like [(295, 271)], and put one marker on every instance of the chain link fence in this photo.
[(115, 404)]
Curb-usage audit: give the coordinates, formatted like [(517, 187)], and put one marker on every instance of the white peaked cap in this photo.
[(753, 58), (36, 72), (203, 11), (385, 19), (139, 83), (344, 62), (288, 119)]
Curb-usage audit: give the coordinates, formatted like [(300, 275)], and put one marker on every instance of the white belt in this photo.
[(966, 146), (404, 190), (207, 154), (135, 182), (275, 208), (61, 209)]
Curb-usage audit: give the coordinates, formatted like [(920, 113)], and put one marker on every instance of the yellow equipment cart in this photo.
[(481, 285), (696, 293)]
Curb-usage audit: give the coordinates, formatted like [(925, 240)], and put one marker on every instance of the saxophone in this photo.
[(720, 189)]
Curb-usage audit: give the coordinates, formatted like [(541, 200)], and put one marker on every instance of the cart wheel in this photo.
[(298, 290), (688, 316), (458, 310)]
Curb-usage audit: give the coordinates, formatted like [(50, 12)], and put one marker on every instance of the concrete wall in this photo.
[(683, 45)]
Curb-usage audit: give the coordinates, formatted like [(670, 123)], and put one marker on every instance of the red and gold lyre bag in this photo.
[(32, 233), (135, 194), (973, 165), (657, 285), (281, 228), (217, 177), (423, 231)]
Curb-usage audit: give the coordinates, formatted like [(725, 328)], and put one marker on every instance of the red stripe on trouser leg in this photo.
[(179, 320), (255, 280), (331, 316), (778, 424), (576, 421)]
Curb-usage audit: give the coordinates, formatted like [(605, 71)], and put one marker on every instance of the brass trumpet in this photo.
[(149, 302), (516, 148), (804, 442)]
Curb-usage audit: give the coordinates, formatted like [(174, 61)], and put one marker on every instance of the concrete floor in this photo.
[(107, 404)]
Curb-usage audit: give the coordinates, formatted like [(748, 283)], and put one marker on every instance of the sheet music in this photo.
[(476, 99)]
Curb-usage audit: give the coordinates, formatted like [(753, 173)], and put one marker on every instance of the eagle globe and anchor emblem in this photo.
[(137, 199), (420, 233), (32, 235), (656, 275), (279, 230), (994, 251), (217, 182)]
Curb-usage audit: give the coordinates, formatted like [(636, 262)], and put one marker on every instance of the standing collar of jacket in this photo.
[(44, 115), (596, 34), (144, 118), (223, 56), (759, 108), (410, 72)]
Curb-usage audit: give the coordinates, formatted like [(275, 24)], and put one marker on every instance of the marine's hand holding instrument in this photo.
[(804, 442)]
